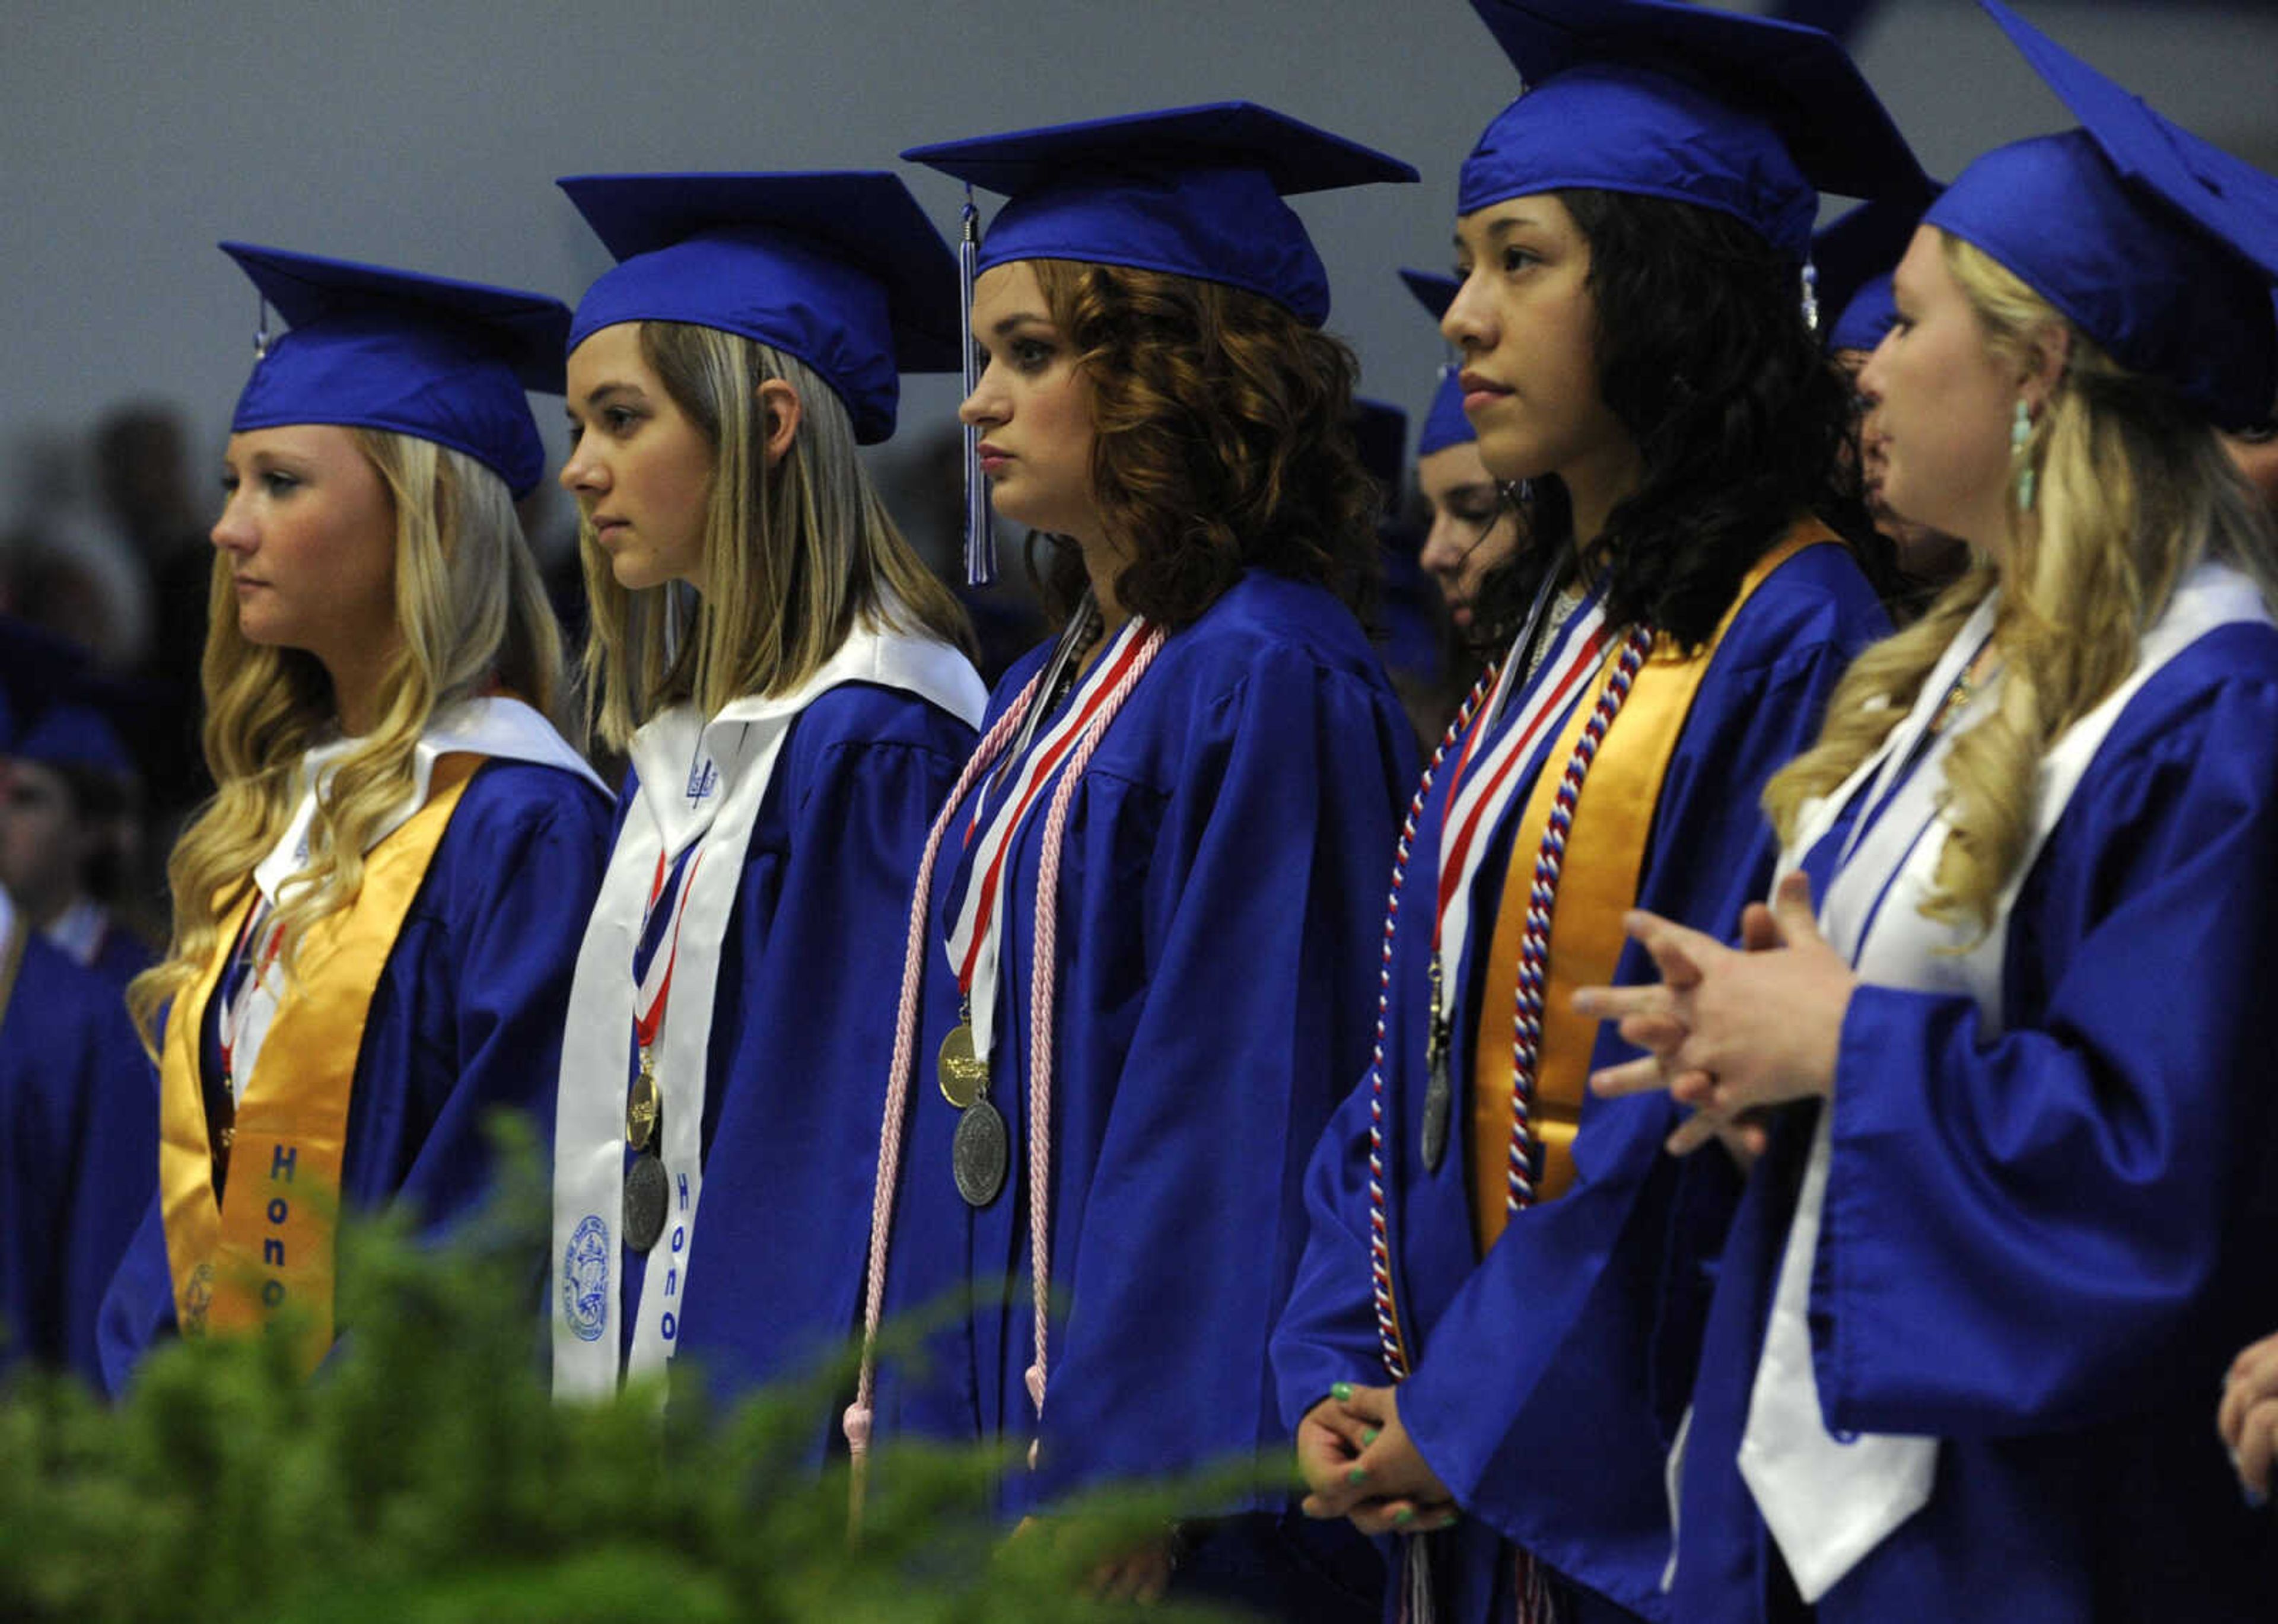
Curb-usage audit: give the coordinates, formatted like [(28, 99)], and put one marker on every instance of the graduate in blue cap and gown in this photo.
[(2015, 976), (67, 836), (1854, 257), (1496, 1307), (1141, 944), (790, 740), (79, 1102), (377, 915), (1477, 523)]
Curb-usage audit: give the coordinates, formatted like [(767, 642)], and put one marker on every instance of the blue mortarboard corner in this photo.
[(428, 356), (1746, 115), (2160, 245), (1193, 191), (840, 269)]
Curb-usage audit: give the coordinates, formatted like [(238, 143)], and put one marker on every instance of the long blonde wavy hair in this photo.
[(2134, 490), (794, 555), (472, 615)]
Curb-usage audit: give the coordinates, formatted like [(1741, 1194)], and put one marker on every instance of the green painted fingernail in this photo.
[(1340, 1390), (1370, 1437), (1405, 1516), (1359, 1474)]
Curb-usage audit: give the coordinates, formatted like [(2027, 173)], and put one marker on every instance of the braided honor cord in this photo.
[(1042, 964), (858, 1418), (1379, 1251), (1542, 897)]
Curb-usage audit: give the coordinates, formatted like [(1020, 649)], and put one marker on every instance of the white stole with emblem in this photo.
[(704, 783), (501, 728), (1830, 1502)]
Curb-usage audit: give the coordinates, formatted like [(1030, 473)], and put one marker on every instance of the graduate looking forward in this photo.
[(2016, 974), (1140, 952), (790, 742), (1491, 1313), (376, 915)]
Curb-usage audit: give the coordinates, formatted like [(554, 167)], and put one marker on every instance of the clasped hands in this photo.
[(1731, 1032), (1359, 1463)]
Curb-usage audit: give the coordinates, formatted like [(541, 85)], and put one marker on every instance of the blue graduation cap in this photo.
[(2160, 245), (1746, 115), (1855, 256), (427, 356), (840, 268), (1445, 424), (1194, 191), (76, 735)]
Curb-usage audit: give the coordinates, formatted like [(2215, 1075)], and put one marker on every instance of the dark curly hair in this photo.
[(1741, 421), (1221, 442)]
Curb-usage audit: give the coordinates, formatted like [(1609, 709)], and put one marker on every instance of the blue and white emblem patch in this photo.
[(585, 1279)]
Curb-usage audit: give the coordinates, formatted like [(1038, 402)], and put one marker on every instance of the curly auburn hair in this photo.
[(1742, 423), (1220, 441)]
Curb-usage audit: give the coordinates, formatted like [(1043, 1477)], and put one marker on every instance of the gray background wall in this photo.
[(427, 132)]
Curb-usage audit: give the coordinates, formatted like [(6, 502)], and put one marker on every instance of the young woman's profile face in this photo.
[(1472, 530), (1523, 319), (1943, 404), (44, 843), (640, 467), (1032, 408), (309, 530)]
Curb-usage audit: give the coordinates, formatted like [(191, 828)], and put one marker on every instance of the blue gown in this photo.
[(1547, 1378), (79, 1155), (2046, 1250), (802, 1035), (466, 1020), (1221, 891)]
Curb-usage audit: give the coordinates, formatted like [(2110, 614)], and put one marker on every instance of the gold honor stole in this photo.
[(266, 1248), (1605, 855)]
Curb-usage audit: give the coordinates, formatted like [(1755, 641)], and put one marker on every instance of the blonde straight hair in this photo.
[(2135, 489), (472, 615), (794, 555)]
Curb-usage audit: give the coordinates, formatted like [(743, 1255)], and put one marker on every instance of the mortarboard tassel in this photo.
[(261, 327), (979, 534), (1810, 296)]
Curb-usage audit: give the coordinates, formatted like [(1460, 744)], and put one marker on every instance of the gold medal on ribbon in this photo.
[(643, 1105), (963, 1073)]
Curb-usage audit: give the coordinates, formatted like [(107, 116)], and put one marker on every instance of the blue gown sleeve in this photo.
[(1327, 1331), (468, 1016), (79, 1125), (1263, 896), (2080, 1205)]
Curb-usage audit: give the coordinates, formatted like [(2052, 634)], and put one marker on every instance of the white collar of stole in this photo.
[(699, 782), (502, 728), (977, 935), (79, 930), (1491, 767), (1829, 1503)]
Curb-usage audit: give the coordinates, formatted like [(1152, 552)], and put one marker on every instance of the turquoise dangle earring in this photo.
[(2020, 446)]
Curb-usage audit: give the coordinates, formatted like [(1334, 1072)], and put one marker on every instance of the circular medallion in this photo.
[(644, 1105), (963, 1074), (980, 1154), (646, 1187)]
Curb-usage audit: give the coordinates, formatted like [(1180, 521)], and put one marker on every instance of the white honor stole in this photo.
[(699, 783), (501, 729), (1828, 1501)]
